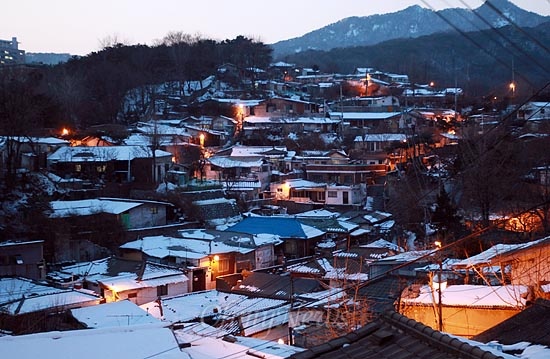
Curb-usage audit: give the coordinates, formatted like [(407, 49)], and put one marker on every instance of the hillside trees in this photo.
[(24, 108), (91, 89)]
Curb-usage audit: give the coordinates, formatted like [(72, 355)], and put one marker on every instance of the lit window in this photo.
[(223, 265)]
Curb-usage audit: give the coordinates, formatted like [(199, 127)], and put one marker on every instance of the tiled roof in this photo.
[(395, 336), (382, 292)]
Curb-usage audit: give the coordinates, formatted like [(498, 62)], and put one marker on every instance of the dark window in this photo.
[(162, 290)]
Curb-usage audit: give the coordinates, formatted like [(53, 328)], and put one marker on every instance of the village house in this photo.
[(123, 313), (23, 259), (91, 229), (28, 306), (336, 167), (130, 213), (525, 264), (299, 239), (374, 121), (245, 168), (256, 126), (402, 264), (240, 314), (206, 254), (173, 136), (200, 340), (28, 153), (117, 279), (536, 114), (338, 230), (115, 164), (465, 310), (122, 342), (285, 107)]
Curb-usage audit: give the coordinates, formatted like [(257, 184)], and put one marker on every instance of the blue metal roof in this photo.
[(283, 227)]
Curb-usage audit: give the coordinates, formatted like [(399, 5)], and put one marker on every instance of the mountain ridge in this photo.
[(411, 22)]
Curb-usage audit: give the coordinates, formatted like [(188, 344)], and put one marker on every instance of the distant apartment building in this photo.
[(10, 54)]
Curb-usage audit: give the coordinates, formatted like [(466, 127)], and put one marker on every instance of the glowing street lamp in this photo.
[(201, 139), (513, 88)]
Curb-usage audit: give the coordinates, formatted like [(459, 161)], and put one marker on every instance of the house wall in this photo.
[(344, 174), (532, 267), (337, 196), (149, 294), (22, 259), (297, 248), (265, 256), (462, 321), (146, 215)]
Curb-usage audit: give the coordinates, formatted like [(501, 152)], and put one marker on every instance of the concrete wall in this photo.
[(463, 321)]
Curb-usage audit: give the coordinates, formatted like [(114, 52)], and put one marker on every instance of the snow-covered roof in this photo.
[(485, 257), (39, 140), (293, 120), (408, 256), (382, 243), (19, 243), (104, 154), (159, 129), (207, 342), (324, 298), (123, 274), (90, 206), (359, 232), (510, 296), (303, 184), (318, 213), (137, 139), (123, 313), (323, 268), (207, 202), (377, 216), (192, 248), (134, 342), (232, 162), (192, 306), (236, 101), (20, 295), (382, 137), (122, 283), (246, 151), (365, 115)]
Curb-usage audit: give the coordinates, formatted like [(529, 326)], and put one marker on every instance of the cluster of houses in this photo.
[(212, 231)]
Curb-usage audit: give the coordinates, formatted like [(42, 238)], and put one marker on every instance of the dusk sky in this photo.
[(79, 27)]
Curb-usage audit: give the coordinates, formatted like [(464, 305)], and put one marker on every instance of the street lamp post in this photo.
[(439, 287)]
